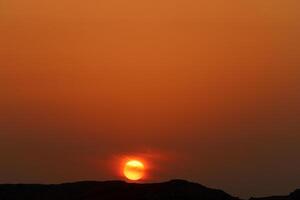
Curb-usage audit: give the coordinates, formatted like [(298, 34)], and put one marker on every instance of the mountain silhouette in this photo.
[(115, 190), (293, 196), (112, 190)]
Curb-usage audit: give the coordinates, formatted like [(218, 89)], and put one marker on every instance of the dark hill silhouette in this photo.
[(293, 196), (112, 190), (120, 190)]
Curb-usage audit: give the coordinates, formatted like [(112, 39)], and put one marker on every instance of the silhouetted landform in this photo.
[(113, 190), (293, 196), (120, 190)]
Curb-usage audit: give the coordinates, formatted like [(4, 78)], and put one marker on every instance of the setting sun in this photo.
[(134, 170)]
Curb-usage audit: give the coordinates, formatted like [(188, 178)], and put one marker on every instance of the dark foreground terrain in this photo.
[(115, 190), (293, 196)]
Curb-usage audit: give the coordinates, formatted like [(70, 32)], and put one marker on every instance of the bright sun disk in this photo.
[(134, 170)]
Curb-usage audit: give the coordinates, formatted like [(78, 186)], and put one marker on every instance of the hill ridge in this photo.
[(175, 189)]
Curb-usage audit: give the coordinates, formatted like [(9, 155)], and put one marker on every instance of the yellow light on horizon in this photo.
[(134, 170)]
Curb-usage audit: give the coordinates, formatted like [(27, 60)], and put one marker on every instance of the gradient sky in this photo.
[(207, 91)]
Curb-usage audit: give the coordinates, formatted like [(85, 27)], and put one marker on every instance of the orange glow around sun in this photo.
[(134, 170)]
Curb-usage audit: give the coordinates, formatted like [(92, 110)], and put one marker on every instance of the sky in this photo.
[(206, 91)]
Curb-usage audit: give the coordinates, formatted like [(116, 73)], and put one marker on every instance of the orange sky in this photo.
[(211, 87)]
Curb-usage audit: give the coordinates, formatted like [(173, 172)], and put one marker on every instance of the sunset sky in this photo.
[(207, 91)]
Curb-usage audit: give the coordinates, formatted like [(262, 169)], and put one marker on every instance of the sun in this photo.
[(134, 170)]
